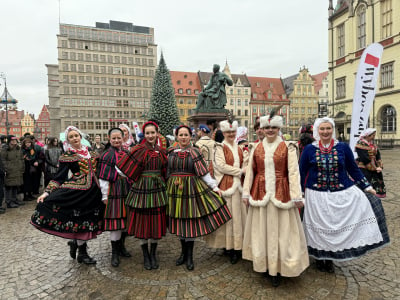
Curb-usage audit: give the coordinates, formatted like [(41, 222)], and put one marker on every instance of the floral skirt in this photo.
[(71, 213)]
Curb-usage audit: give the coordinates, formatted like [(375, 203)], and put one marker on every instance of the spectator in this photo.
[(52, 154)]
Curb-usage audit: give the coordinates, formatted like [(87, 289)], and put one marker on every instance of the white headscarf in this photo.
[(130, 140), (367, 132), (317, 123), (67, 146), (241, 134)]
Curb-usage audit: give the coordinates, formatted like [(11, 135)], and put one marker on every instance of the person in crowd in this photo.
[(195, 205), (230, 163), (339, 220), (370, 162), (274, 238), (216, 133), (2, 174), (51, 156), (128, 141), (162, 141), (98, 145), (306, 137), (33, 159), (146, 202), (13, 171), (242, 138), (206, 146), (259, 131), (114, 187), (71, 205)]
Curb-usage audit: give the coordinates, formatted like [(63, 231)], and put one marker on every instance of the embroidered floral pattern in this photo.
[(328, 170)]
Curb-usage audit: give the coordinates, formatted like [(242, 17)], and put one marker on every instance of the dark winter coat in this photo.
[(14, 166)]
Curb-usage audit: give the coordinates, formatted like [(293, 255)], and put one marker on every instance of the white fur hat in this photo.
[(275, 121), (226, 126)]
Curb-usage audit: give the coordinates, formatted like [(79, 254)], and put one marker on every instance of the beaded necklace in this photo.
[(325, 150)]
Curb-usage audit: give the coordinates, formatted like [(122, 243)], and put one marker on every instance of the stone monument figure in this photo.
[(214, 96)]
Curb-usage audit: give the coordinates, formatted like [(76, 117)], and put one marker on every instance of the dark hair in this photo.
[(211, 122), (183, 126), (305, 139), (256, 125), (155, 121), (51, 142)]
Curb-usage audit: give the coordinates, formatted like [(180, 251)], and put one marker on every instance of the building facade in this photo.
[(321, 87), (353, 25), (187, 89), (103, 77), (42, 124), (27, 124), (267, 94)]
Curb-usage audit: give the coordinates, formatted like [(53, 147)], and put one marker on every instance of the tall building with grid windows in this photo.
[(103, 78)]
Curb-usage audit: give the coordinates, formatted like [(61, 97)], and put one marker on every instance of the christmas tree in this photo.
[(162, 103)]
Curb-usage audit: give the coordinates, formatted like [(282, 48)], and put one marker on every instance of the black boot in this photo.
[(146, 257), (189, 255), (73, 246), (320, 265), (276, 280), (182, 258), (83, 256), (329, 266), (122, 250), (234, 256), (153, 258), (114, 253)]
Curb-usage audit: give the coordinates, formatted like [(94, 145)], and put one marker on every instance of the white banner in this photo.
[(137, 130), (364, 91)]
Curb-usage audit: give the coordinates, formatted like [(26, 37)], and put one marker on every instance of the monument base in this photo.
[(201, 116)]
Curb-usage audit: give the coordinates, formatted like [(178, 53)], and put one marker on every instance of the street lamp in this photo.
[(5, 100)]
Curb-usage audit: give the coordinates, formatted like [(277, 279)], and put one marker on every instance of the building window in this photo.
[(340, 40), (388, 119), (341, 88), (386, 8), (387, 75), (232, 102), (239, 112), (361, 32), (189, 91), (180, 91)]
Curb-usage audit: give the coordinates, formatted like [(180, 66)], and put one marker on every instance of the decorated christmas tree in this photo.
[(162, 103)]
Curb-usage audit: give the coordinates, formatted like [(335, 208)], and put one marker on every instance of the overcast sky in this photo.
[(266, 38)]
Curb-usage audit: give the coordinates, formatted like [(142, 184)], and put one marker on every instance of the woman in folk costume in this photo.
[(230, 162), (146, 202), (114, 188), (370, 162), (340, 221), (206, 146), (274, 237), (71, 205), (195, 205), (128, 140)]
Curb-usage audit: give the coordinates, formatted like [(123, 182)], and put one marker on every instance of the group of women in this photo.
[(251, 207)]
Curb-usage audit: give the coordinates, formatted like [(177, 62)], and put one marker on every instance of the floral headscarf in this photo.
[(130, 140), (241, 134), (67, 146), (367, 132)]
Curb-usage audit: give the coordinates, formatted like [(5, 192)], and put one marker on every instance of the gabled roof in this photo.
[(318, 78), (262, 85), (185, 81), (242, 78)]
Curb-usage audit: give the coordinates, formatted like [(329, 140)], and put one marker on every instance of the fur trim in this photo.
[(236, 163), (226, 126)]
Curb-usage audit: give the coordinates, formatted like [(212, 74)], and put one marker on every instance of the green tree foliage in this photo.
[(162, 103)]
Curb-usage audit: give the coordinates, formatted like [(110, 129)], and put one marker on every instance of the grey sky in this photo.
[(258, 37)]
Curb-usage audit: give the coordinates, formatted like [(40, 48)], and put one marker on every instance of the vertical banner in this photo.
[(364, 91), (137, 130)]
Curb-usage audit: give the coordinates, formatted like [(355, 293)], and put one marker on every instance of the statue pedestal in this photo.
[(201, 116)]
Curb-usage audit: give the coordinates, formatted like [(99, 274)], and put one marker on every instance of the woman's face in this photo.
[(370, 137), (270, 133), (183, 137), (230, 136), (74, 138), (325, 131), (126, 133), (55, 142), (28, 144), (116, 139), (150, 134)]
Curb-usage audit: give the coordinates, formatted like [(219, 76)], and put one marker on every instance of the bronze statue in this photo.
[(214, 96)]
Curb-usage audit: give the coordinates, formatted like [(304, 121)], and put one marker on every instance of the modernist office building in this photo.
[(103, 77)]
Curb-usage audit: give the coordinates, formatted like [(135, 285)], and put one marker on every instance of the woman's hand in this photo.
[(219, 193), (42, 197), (35, 163), (105, 201), (372, 191), (246, 201), (378, 169), (299, 204)]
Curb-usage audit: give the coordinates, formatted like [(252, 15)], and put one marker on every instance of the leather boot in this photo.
[(182, 258), (146, 257), (122, 250), (153, 258), (329, 266), (73, 246), (234, 256), (83, 256), (189, 254), (115, 253), (320, 265), (276, 280)]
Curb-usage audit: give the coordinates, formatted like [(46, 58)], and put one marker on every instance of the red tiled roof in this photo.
[(185, 81), (318, 80), (262, 85)]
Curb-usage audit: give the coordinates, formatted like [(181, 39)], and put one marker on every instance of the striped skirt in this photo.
[(146, 206), (115, 212), (194, 209)]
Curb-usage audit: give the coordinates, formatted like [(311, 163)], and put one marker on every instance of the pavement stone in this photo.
[(34, 265)]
